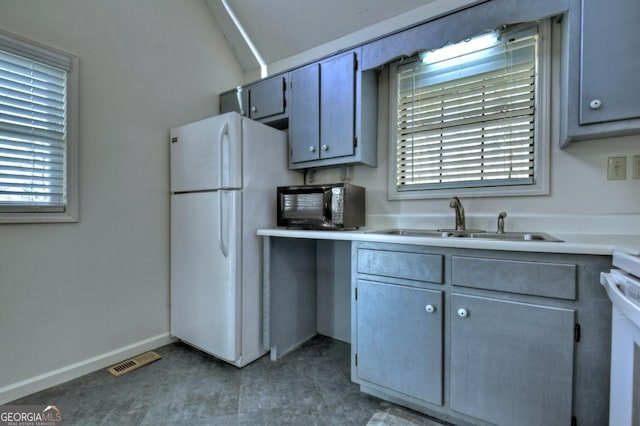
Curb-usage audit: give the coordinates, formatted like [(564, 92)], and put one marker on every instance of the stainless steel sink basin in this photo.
[(476, 234), (410, 232), (518, 236)]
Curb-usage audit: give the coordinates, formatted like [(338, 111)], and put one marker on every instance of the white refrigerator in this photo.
[(224, 174)]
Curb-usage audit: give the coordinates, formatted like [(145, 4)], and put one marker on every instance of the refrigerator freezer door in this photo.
[(207, 154), (205, 283)]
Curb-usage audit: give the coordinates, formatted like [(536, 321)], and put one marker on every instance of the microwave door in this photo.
[(303, 208)]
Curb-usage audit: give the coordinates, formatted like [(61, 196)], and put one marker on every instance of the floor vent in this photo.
[(133, 363)]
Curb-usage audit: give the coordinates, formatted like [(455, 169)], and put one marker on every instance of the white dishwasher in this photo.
[(623, 287)]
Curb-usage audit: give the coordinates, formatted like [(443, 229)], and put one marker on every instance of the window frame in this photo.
[(542, 136), (34, 50)]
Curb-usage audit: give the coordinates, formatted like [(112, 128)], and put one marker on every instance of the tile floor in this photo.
[(310, 386)]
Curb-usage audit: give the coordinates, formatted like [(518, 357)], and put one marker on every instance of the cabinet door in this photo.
[(267, 98), (610, 64), (338, 106), (511, 363), (399, 339), (229, 101), (304, 114)]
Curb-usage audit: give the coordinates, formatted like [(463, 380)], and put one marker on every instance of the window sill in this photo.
[(16, 218), (500, 191)]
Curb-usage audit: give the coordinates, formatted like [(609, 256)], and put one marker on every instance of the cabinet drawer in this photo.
[(555, 280), (397, 264)]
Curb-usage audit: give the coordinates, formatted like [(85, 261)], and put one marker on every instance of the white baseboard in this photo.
[(60, 375)]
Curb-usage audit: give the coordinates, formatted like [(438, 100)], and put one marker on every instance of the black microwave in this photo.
[(334, 206)]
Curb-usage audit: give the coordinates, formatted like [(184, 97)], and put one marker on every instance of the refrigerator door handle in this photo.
[(221, 228), (224, 130)]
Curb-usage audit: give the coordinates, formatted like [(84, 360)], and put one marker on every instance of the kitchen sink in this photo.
[(410, 232), (517, 236), (457, 232), (475, 234)]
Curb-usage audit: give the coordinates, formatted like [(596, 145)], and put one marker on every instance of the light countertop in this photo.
[(572, 243)]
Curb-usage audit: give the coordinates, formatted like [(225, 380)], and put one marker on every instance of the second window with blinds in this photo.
[(472, 118), (38, 119)]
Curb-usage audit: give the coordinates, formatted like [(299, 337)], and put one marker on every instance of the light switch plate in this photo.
[(617, 168), (635, 171)]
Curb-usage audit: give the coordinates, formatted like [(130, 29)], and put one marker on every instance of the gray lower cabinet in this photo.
[(400, 338), (511, 363), (481, 337)]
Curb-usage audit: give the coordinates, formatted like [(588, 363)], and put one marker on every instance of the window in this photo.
[(37, 146), (467, 118)]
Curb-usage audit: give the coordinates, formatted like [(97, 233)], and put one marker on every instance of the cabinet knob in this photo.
[(595, 104), (325, 147), (463, 313), (430, 308), (312, 148), (254, 109)]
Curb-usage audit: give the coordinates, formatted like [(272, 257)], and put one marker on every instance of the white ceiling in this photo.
[(282, 28)]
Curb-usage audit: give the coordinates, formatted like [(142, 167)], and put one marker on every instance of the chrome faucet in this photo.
[(501, 217), (457, 205)]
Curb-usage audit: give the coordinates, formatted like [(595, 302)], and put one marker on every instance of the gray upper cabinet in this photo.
[(234, 100), (400, 339), (511, 363), (333, 108), (613, 88), (304, 122), (338, 106), (267, 98), (601, 65), (264, 101)]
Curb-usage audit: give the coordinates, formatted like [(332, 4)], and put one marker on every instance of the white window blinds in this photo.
[(466, 115), (32, 132)]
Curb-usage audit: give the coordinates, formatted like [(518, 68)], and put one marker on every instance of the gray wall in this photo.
[(100, 287)]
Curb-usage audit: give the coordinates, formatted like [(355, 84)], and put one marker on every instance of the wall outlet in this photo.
[(617, 168), (635, 171)]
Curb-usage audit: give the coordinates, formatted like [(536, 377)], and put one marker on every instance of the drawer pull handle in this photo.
[(430, 308), (463, 313), (312, 149)]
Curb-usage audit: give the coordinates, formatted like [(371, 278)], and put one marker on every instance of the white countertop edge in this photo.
[(573, 243)]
